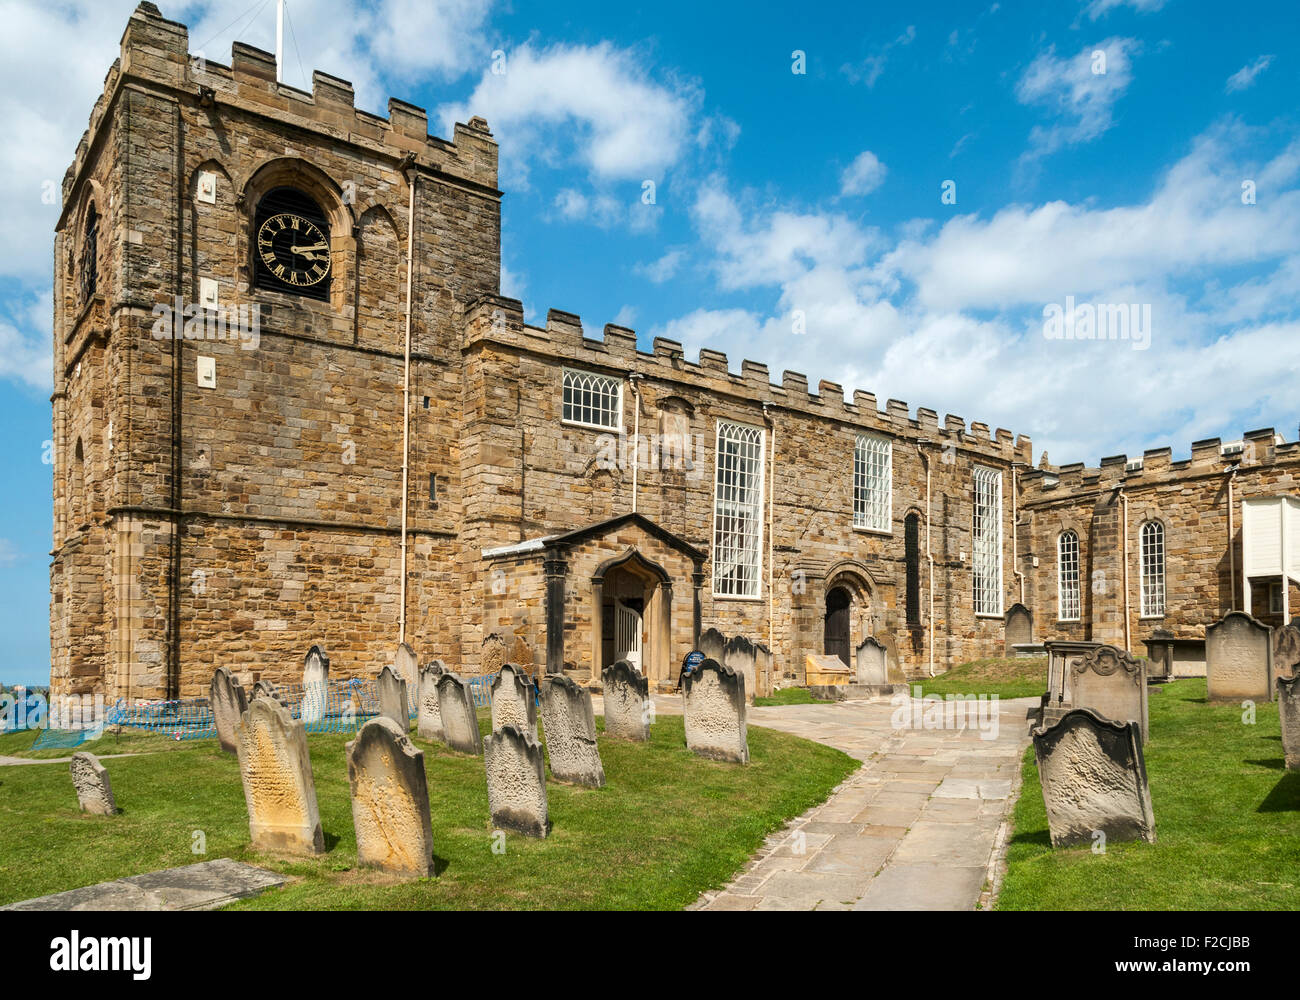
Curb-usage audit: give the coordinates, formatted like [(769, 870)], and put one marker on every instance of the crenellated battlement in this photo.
[(499, 320), (1263, 447), (155, 51)]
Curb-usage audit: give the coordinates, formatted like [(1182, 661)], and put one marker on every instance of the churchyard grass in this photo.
[(1012, 677), (791, 696), (19, 744), (668, 826), (1225, 810)]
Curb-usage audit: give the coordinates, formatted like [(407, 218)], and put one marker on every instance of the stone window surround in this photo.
[(616, 408), (757, 595), (1078, 591), (859, 454), (995, 477), (1147, 521)]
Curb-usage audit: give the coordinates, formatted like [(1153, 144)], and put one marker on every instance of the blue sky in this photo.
[(787, 200)]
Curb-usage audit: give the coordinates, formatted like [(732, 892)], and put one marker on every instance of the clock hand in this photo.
[(297, 249)]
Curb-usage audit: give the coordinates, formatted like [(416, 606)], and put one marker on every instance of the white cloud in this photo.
[(863, 175), (663, 269), (1099, 8), (1082, 89), (954, 316), (594, 104), (869, 70), (1245, 77)]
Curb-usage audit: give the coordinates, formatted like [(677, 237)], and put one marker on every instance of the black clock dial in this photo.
[(293, 250)]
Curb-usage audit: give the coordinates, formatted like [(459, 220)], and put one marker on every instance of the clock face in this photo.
[(294, 250)]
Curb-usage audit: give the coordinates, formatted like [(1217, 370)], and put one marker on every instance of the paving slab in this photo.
[(918, 827), (204, 886)]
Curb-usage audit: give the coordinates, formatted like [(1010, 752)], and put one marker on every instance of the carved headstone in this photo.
[(1113, 684), (871, 662), (514, 700), (739, 654), (429, 719), (390, 800), (1288, 714), (1018, 627), (278, 786), (714, 709), (569, 726), (459, 718), (1094, 780), (315, 685), (627, 702), (266, 689), (392, 698), (516, 781), (1239, 659), (521, 655), (94, 790), (1286, 651), (494, 653), (229, 702)]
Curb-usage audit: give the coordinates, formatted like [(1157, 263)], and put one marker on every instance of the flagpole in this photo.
[(279, 41)]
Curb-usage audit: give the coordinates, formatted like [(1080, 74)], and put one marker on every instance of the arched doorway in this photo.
[(837, 625), (633, 601)]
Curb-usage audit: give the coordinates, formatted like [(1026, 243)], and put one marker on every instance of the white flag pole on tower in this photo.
[(279, 41)]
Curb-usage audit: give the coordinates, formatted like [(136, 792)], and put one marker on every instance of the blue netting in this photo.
[(480, 689), (60, 739)]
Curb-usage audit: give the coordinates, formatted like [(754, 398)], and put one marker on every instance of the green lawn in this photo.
[(1013, 677), (791, 696), (20, 744), (667, 826), (1226, 822)]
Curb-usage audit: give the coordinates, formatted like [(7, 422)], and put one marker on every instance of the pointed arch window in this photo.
[(88, 268)]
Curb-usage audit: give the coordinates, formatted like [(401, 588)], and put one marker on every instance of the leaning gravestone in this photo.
[(739, 654), (278, 786), (390, 800), (1286, 651), (714, 710), (459, 719), (627, 699), (514, 700), (407, 667), (1113, 684), (94, 790), (1094, 780), (315, 685), (1238, 659), (392, 698), (1288, 714), (570, 729), (229, 702), (428, 721), (516, 781)]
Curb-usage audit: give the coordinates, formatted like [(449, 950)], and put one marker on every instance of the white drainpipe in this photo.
[(929, 556), (412, 179), (634, 378)]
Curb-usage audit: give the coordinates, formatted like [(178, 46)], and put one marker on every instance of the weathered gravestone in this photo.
[(871, 662), (1094, 780), (714, 709), (392, 698), (514, 700), (1239, 659), (1286, 651), (429, 719), (570, 729), (740, 654), (713, 644), (516, 781), (1288, 713), (266, 689), (406, 665), (1018, 628), (315, 685), (278, 786), (459, 719), (390, 800), (1113, 684), (94, 790), (228, 701), (627, 701), (494, 653)]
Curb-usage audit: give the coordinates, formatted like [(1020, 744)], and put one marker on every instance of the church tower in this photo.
[(258, 299)]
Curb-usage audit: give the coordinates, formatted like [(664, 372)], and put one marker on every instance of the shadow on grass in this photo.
[(1040, 838), (1285, 796)]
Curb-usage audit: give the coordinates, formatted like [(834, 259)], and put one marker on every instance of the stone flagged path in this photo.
[(204, 886), (919, 826)]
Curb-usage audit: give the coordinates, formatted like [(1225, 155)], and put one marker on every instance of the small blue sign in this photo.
[(692, 662)]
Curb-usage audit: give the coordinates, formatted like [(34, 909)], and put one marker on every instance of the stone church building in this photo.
[(291, 407)]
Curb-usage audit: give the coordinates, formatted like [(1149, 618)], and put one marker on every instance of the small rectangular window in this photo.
[(592, 400), (433, 487)]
